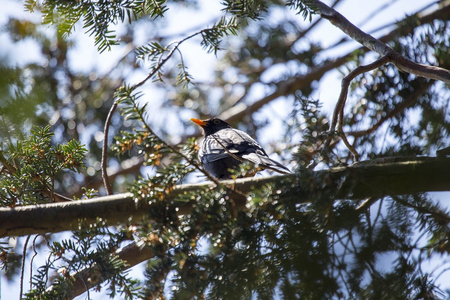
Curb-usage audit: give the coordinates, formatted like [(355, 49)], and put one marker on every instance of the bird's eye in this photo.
[(216, 122)]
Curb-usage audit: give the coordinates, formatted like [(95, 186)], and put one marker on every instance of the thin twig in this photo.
[(175, 47), (22, 269), (32, 259), (338, 114), (344, 137), (160, 64), (105, 149), (227, 150), (345, 84)]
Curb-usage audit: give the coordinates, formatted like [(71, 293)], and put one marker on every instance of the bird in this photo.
[(224, 148)]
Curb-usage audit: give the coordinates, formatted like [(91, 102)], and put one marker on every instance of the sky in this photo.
[(201, 65)]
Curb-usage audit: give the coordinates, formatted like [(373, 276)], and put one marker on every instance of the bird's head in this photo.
[(211, 126)]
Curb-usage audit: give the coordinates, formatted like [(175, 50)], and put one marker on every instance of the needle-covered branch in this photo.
[(366, 179)]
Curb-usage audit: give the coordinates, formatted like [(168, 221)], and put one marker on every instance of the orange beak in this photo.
[(198, 122)]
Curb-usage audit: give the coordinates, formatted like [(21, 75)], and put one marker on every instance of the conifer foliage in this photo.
[(302, 236)]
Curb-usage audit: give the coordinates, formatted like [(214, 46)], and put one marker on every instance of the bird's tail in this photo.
[(267, 163)]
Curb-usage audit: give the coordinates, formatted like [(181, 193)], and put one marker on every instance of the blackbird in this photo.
[(224, 148)]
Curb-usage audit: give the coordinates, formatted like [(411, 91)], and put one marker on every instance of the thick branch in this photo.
[(133, 254), (362, 180), (371, 178), (377, 46)]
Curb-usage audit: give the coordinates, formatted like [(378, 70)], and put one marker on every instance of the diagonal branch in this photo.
[(345, 84), (402, 63)]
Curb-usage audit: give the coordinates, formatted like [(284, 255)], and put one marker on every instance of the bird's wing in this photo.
[(220, 144), (211, 150), (241, 145), (250, 150)]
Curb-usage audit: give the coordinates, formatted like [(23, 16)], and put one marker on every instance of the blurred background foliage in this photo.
[(266, 79)]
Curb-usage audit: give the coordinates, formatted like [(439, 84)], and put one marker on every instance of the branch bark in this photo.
[(402, 63), (133, 254), (105, 177), (375, 178)]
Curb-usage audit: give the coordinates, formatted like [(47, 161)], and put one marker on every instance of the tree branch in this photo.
[(344, 88), (339, 109), (133, 254), (402, 63), (375, 178), (105, 177)]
